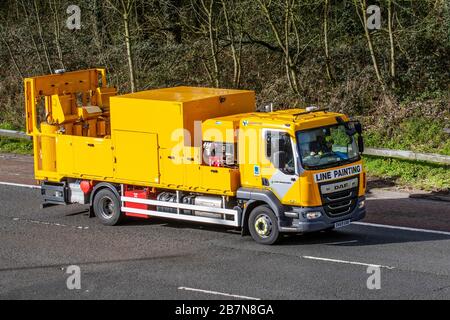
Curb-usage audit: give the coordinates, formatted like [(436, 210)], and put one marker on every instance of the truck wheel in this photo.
[(107, 207), (263, 225)]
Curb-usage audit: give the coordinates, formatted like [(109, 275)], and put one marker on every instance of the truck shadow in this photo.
[(357, 236), (404, 212), (354, 235), (175, 224), (401, 212)]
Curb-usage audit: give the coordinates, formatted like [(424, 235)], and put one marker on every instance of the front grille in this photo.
[(339, 203)]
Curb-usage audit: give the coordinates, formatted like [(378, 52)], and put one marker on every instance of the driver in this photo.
[(320, 146)]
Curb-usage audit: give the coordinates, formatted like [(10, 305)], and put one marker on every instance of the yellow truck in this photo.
[(195, 154)]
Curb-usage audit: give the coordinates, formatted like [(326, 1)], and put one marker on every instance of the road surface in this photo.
[(157, 259)]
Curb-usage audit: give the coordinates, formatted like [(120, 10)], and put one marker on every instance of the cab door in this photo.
[(279, 165)]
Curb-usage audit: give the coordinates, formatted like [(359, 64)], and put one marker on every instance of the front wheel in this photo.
[(107, 207), (263, 225)]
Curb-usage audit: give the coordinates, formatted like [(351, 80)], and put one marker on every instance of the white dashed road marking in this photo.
[(218, 293), (341, 242), (348, 262), (50, 223), (401, 228)]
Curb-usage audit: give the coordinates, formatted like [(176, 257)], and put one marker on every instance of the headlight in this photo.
[(312, 215), (362, 204)]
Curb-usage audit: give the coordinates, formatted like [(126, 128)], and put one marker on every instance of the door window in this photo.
[(279, 151)]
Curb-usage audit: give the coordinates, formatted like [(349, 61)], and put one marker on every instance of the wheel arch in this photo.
[(255, 198)]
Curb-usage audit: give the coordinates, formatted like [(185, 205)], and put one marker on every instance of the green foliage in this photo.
[(415, 174), (339, 137), (7, 126), (415, 134), (20, 146)]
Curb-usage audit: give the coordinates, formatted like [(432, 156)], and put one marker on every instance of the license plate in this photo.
[(342, 223)]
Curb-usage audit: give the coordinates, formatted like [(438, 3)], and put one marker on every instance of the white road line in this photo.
[(218, 293), (19, 185), (401, 228), (341, 242), (50, 223), (348, 262)]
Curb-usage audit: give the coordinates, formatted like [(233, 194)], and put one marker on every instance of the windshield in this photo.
[(325, 147)]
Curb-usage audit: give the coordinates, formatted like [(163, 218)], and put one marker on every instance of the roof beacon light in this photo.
[(311, 108), (268, 108)]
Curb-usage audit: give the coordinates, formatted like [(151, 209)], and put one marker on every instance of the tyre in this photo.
[(263, 225), (107, 207)]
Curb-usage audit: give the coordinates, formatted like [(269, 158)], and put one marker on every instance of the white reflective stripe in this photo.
[(153, 213), (179, 205)]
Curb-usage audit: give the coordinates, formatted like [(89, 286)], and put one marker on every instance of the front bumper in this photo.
[(303, 225)]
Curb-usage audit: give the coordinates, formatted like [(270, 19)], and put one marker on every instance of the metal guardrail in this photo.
[(408, 155), (399, 154), (14, 134)]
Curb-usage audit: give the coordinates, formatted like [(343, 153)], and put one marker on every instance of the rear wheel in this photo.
[(107, 207), (263, 225)]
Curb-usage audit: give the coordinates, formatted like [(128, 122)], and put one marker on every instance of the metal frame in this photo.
[(49, 200), (236, 222)]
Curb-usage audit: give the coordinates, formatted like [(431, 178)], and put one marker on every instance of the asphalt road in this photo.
[(157, 259)]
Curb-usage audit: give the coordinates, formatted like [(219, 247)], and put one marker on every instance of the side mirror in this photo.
[(360, 143)]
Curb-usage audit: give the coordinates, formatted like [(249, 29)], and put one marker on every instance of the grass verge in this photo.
[(13, 145), (413, 174), (414, 134)]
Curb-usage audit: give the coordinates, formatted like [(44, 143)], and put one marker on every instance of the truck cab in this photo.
[(302, 164)]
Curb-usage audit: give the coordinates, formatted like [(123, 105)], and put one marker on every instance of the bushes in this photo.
[(415, 134), (420, 175)]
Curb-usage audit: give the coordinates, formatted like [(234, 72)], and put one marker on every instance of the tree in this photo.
[(284, 44), (124, 8), (54, 6), (11, 55), (391, 43), (325, 40), (208, 11), (235, 52), (362, 5), (30, 28), (41, 36)]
